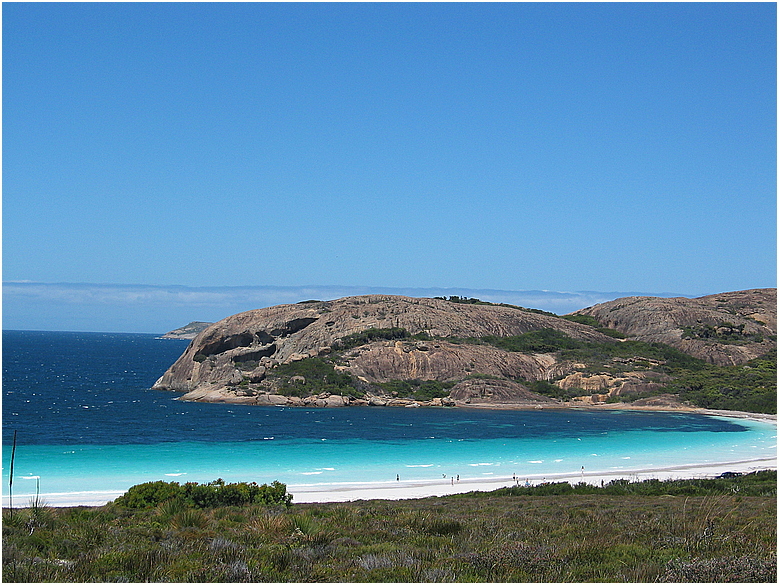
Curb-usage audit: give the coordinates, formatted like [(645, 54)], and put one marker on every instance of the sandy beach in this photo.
[(441, 487), (403, 489), (400, 490)]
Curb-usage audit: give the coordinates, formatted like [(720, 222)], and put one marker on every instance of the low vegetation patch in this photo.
[(720, 530), (595, 324), (312, 376), (723, 332), (750, 387)]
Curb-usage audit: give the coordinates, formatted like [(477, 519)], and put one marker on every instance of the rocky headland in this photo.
[(189, 331), (402, 351)]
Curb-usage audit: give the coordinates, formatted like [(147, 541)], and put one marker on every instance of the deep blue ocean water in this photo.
[(87, 420)]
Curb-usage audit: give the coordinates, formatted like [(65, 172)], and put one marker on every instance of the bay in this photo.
[(87, 420)]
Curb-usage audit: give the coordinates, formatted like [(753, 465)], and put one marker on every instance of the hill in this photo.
[(724, 329), (394, 350)]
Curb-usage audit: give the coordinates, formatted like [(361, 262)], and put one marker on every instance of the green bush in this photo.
[(209, 495), (149, 494)]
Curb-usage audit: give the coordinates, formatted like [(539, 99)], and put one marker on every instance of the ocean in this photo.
[(87, 421)]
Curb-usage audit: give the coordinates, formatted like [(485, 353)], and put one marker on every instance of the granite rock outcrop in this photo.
[(214, 365), (724, 329), (381, 339)]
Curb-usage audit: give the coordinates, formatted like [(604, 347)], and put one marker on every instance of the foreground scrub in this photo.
[(716, 534)]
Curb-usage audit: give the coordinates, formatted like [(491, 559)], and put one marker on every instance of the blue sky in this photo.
[(512, 147)]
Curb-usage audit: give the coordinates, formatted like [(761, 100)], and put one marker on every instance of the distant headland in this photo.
[(189, 331), (716, 351)]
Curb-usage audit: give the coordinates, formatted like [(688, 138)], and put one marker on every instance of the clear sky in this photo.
[(564, 147)]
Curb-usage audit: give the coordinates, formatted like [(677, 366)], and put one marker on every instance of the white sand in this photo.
[(400, 490)]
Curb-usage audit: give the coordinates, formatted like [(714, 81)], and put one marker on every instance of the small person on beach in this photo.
[(397, 477)]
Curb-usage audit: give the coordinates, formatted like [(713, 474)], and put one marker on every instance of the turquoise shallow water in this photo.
[(86, 421), (80, 468)]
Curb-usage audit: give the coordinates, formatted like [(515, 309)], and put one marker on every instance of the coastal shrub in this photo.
[(474, 301), (552, 391), (593, 322), (209, 495), (149, 494), (507, 536), (539, 341), (758, 483), (744, 569), (611, 332), (749, 387)]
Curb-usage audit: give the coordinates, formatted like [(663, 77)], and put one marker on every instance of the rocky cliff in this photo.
[(381, 349)]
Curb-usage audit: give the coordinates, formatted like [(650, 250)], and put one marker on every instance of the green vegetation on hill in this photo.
[(593, 322), (314, 376), (721, 530), (540, 341), (750, 387), (723, 332)]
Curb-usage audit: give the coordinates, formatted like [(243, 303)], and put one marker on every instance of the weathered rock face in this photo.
[(234, 360), (724, 329), (476, 391), (443, 361), (216, 360)]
